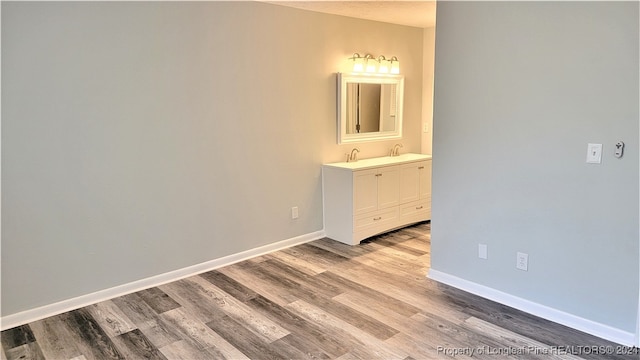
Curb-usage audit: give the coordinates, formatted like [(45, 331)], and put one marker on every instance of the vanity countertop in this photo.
[(363, 164)]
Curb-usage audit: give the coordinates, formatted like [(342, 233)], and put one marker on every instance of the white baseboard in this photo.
[(545, 312), (27, 316)]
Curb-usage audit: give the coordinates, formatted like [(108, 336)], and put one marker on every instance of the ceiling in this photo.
[(411, 13)]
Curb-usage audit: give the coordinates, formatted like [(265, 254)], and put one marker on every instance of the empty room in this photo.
[(327, 180)]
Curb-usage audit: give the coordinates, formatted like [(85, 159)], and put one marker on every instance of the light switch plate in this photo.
[(594, 153)]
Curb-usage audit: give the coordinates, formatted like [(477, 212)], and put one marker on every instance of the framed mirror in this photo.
[(369, 107)]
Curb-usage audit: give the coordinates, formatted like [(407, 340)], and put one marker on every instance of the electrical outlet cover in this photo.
[(482, 251), (522, 261)]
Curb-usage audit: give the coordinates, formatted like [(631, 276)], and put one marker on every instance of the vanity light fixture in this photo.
[(370, 65)]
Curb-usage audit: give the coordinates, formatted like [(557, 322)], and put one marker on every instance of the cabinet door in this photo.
[(388, 186), (365, 191), (410, 185), (425, 179)]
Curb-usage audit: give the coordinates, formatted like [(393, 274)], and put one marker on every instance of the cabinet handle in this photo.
[(377, 218), (378, 174), (420, 167), (419, 207)]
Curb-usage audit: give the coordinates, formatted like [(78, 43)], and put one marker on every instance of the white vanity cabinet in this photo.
[(372, 196)]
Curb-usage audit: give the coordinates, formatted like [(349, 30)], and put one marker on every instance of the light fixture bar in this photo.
[(370, 65)]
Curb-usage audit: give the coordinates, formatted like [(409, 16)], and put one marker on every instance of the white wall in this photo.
[(520, 89), (140, 138)]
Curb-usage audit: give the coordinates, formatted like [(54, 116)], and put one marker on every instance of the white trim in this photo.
[(545, 312), (24, 317)]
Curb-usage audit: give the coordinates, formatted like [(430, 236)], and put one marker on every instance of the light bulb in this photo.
[(383, 66), (395, 65), (371, 65), (357, 63)]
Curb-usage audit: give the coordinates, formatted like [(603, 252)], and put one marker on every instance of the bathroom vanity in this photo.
[(373, 196)]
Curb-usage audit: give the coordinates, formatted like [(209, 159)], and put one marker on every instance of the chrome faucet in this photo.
[(396, 150), (353, 156)]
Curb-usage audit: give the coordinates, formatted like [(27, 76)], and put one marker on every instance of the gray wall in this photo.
[(140, 138), (520, 89)]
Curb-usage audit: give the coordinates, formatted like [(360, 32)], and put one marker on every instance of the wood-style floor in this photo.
[(321, 300)]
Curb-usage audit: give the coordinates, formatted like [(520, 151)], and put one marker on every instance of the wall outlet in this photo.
[(294, 212), (522, 261), (482, 251), (425, 127)]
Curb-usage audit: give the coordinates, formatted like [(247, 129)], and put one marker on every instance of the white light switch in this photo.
[(594, 153)]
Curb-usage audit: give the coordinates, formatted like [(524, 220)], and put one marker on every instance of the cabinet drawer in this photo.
[(415, 209), (375, 219)]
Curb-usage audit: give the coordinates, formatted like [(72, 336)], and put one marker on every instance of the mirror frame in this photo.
[(342, 80)]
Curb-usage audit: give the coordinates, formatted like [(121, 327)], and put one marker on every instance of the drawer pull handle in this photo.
[(377, 218), (420, 167), (419, 207)]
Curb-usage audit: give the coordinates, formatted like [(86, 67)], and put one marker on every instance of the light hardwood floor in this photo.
[(321, 300)]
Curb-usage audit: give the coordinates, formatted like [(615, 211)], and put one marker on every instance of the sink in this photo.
[(381, 161)]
